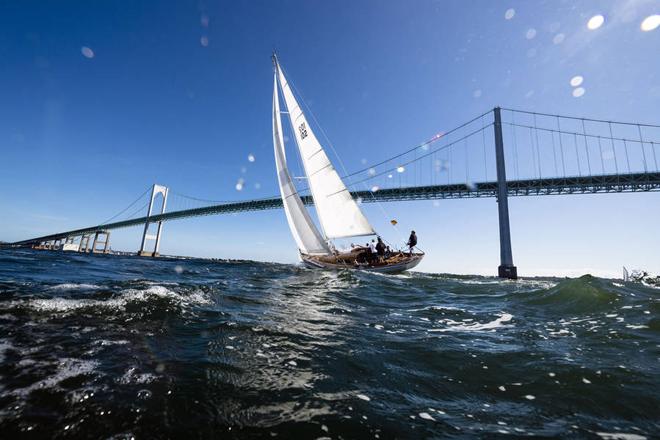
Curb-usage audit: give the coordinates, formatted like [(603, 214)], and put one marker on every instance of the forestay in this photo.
[(338, 213), (302, 227)]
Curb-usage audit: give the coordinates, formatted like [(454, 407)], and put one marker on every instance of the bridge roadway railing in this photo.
[(635, 182)]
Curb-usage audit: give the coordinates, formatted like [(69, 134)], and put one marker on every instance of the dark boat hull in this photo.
[(406, 262)]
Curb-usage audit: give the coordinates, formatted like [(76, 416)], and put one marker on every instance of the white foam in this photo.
[(363, 397), (426, 416), (459, 326), (66, 369), (117, 302), (74, 286), (131, 377), (4, 346), (620, 436)]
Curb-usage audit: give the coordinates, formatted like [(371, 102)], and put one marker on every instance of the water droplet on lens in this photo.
[(87, 52), (576, 80), (595, 22), (400, 169), (509, 14), (204, 41), (559, 38), (650, 23), (578, 92), (531, 33), (144, 394), (251, 157)]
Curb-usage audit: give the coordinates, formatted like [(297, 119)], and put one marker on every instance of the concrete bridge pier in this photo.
[(143, 252), (506, 268), (97, 241), (84, 243)]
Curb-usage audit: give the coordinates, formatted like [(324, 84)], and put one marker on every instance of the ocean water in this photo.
[(119, 347)]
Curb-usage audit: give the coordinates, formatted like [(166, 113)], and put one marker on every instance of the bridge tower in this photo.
[(157, 189), (506, 268)]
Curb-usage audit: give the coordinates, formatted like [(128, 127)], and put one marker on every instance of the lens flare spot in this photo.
[(578, 92), (595, 22), (531, 33), (87, 52), (204, 41), (509, 14), (251, 157), (400, 169), (576, 80), (650, 23), (372, 171), (477, 93)]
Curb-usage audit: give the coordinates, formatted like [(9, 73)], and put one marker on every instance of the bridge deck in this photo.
[(636, 182)]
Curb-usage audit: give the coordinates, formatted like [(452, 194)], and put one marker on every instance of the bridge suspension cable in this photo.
[(128, 207)]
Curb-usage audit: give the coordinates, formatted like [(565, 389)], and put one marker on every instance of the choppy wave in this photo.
[(109, 347)]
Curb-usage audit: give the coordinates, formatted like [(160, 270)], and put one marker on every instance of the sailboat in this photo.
[(338, 213)]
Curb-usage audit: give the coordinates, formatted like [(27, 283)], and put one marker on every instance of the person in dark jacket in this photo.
[(380, 249), (412, 241)]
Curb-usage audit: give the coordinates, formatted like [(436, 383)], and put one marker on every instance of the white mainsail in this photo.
[(302, 227), (338, 213)]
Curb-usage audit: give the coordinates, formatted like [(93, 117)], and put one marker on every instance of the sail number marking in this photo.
[(302, 128)]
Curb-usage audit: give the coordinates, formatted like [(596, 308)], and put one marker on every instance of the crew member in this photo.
[(380, 248), (412, 241)]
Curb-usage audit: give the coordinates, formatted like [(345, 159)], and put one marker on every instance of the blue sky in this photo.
[(179, 93)]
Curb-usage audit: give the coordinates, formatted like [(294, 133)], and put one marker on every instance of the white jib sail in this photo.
[(338, 213), (302, 227)]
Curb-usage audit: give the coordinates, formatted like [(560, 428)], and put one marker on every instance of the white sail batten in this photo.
[(304, 232), (338, 213)]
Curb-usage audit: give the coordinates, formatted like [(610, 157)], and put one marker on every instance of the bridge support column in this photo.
[(157, 189), (84, 243), (506, 268), (105, 242)]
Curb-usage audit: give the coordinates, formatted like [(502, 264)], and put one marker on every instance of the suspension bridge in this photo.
[(500, 153)]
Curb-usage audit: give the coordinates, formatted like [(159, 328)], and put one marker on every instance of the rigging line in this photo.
[(561, 148), (568, 132), (616, 162), (127, 208), (577, 118), (428, 142), (654, 158), (586, 146), (428, 154)]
